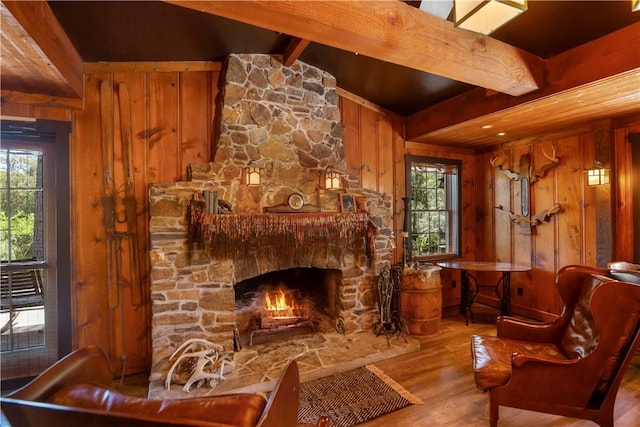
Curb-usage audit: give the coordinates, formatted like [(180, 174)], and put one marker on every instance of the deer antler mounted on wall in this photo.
[(527, 177), (513, 176), (542, 170), (533, 176), (537, 219)]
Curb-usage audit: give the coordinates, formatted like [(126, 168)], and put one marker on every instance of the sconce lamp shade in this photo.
[(597, 176), (635, 5), (252, 175), (332, 180), (485, 16)]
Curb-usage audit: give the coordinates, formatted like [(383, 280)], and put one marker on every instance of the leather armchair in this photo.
[(76, 391), (572, 366)]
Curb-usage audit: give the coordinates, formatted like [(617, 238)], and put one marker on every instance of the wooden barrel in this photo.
[(421, 300)]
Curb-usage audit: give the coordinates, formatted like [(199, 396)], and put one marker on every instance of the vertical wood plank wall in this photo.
[(583, 231), (172, 116)]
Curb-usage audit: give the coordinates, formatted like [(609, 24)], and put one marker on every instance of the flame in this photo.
[(277, 306), (279, 301)]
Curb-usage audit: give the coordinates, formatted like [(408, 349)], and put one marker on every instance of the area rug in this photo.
[(352, 397)]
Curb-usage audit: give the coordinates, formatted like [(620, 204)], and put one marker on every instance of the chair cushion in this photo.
[(492, 358), (581, 338), (240, 410)]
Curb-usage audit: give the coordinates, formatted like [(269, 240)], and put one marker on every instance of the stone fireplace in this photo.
[(286, 121)]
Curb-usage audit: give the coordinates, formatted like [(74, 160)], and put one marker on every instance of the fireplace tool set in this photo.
[(387, 288)]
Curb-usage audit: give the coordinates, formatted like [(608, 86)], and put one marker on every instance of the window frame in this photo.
[(454, 206), (54, 137)]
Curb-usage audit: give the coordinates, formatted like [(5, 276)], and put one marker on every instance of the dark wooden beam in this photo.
[(391, 31), (294, 50), (39, 22)]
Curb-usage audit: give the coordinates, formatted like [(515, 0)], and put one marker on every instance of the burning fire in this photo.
[(277, 306)]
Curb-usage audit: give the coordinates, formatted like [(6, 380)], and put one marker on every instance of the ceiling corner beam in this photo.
[(391, 31), (39, 22), (15, 97), (293, 51), (615, 54)]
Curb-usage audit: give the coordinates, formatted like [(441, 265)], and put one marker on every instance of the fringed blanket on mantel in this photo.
[(221, 234)]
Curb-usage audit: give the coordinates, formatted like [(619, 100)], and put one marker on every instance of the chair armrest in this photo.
[(25, 413), (509, 327), (88, 365), (282, 406), (519, 360)]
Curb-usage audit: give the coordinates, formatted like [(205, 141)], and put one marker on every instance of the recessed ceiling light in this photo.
[(501, 134), (487, 126)]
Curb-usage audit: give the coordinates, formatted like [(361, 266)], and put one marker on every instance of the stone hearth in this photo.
[(257, 368), (285, 120)]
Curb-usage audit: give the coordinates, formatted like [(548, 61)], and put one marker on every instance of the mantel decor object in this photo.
[(286, 232)]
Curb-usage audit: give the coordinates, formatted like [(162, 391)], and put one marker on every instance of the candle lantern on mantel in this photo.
[(251, 175), (331, 179)]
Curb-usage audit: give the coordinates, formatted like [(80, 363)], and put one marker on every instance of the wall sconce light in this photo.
[(251, 175), (635, 5), (485, 16), (597, 175), (332, 179)]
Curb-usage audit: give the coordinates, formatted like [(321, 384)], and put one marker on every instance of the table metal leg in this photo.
[(468, 294), (465, 295), (505, 298)]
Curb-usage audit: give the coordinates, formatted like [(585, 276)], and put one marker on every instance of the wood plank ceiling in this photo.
[(449, 83)]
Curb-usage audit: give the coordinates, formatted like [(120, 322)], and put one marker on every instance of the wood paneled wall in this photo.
[(585, 231), (374, 151), (172, 118)]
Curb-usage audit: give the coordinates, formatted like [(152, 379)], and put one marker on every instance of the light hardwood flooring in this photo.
[(441, 375)]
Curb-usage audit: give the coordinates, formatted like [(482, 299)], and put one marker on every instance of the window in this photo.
[(433, 224), (32, 252)]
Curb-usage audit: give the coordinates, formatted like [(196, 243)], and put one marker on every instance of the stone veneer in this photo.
[(285, 120)]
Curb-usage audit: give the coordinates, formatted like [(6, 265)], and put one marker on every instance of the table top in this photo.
[(483, 266)]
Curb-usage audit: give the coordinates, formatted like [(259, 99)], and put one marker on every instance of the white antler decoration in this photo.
[(196, 361)]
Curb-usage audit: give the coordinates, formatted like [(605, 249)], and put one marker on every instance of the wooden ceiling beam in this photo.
[(294, 49), (615, 54), (391, 31), (39, 22), (40, 100), (151, 66)]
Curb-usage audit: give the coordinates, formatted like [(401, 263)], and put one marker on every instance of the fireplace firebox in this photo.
[(285, 301)]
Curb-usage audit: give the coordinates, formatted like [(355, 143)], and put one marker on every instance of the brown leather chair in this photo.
[(75, 391), (625, 271), (572, 366)]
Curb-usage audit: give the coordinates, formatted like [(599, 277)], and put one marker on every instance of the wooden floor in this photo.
[(440, 374)]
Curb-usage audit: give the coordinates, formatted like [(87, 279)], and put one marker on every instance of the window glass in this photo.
[(22, 252), (21, 205)]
